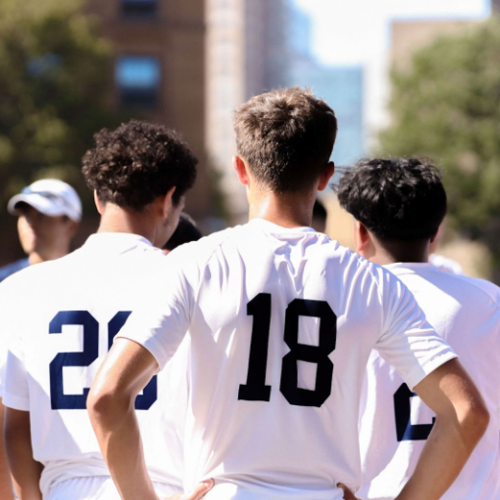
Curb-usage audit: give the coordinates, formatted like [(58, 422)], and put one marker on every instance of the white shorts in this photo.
[(97, 488)]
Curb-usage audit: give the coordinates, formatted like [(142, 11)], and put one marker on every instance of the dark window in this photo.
[(139, 8), (138, 81)]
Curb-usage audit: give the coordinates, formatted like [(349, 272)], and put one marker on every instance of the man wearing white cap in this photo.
[(49, 211)]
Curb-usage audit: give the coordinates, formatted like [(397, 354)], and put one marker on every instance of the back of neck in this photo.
[(284, 209), (115, 219)]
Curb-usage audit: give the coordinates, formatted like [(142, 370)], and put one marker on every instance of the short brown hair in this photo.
[(286, 136), (139, 161)]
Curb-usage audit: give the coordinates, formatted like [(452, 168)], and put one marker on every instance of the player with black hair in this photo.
[(281, 321), (319, 216), (399, 204), (72, 308), (185, 232)]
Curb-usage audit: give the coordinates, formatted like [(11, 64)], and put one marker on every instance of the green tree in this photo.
[(447, 106), (54, 81)]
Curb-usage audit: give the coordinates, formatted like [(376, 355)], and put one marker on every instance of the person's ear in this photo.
[(241, 170), (326, 175), (361, 238), (168, 202), (98, 203), (73, 227)]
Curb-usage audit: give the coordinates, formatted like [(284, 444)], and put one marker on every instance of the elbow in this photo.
[(481, 419), (106, 405), (475, 421)]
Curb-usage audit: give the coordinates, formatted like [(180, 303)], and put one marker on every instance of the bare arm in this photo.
[(199, 492), (5, 482), (126, 370), (461, 420), (26, 471)]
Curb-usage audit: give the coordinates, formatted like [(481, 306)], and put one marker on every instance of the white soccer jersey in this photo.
[(69, 311), (9, 319), (395, 422), (282, 322), (445, 264)]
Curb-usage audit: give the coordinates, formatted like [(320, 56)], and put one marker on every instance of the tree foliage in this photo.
[(54, 81), (447, 106)]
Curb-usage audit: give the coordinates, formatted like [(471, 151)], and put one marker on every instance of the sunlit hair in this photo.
[(138, 162), (286, 137), (396, 198)]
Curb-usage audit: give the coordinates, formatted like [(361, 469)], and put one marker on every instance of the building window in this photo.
[(138, 81), (139, 8)]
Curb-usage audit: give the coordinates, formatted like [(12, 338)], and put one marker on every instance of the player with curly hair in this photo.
[(281, 321), (71, 311), (398, 205)]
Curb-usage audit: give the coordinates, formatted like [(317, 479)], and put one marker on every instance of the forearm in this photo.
[(119, 438), (462, 419), (26, 471), (5, 481), (440, 462)]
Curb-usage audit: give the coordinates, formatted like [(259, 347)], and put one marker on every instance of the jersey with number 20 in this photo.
[(62, 317), (395, 423), (281, 322)]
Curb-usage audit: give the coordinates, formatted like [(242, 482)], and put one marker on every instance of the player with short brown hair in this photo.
[(281, 321)]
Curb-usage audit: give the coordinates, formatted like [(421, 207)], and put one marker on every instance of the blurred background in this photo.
[(404, 78)]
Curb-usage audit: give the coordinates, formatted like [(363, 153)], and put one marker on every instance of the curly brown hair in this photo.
[(139, 161), (286, 136)]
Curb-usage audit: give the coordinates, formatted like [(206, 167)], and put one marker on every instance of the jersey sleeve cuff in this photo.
[(152, 345), (420, 372), (15, 402)]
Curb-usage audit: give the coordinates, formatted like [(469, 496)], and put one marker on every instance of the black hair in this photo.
[(185, 232), (319, 210), (396, 198)]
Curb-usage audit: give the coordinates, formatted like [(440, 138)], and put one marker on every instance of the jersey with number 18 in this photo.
[(62, 317), (281, 322)]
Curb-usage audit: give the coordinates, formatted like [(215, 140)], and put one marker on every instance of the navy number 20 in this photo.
[(61, 401)]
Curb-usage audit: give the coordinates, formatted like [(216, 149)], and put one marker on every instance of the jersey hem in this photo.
[(15, 402)]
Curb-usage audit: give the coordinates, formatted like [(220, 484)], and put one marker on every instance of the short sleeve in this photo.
[(9, 323), (409, 342), (15, 384), (160, 322)]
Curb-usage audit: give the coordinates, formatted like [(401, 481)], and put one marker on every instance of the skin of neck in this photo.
[(149, 223), (286, 209), (389, 252), (46, 254)]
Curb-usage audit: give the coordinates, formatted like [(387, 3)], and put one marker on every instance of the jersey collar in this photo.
[(271, 227), (115, 242)]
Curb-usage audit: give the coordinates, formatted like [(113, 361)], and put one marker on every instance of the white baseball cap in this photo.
[(51, 197)]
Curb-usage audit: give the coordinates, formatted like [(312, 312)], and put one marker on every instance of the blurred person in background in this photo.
[(139, 173), (319, 217), (186, 231), (49, 212), (398, 205)]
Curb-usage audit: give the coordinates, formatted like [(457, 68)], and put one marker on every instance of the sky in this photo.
[(351, 31)]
